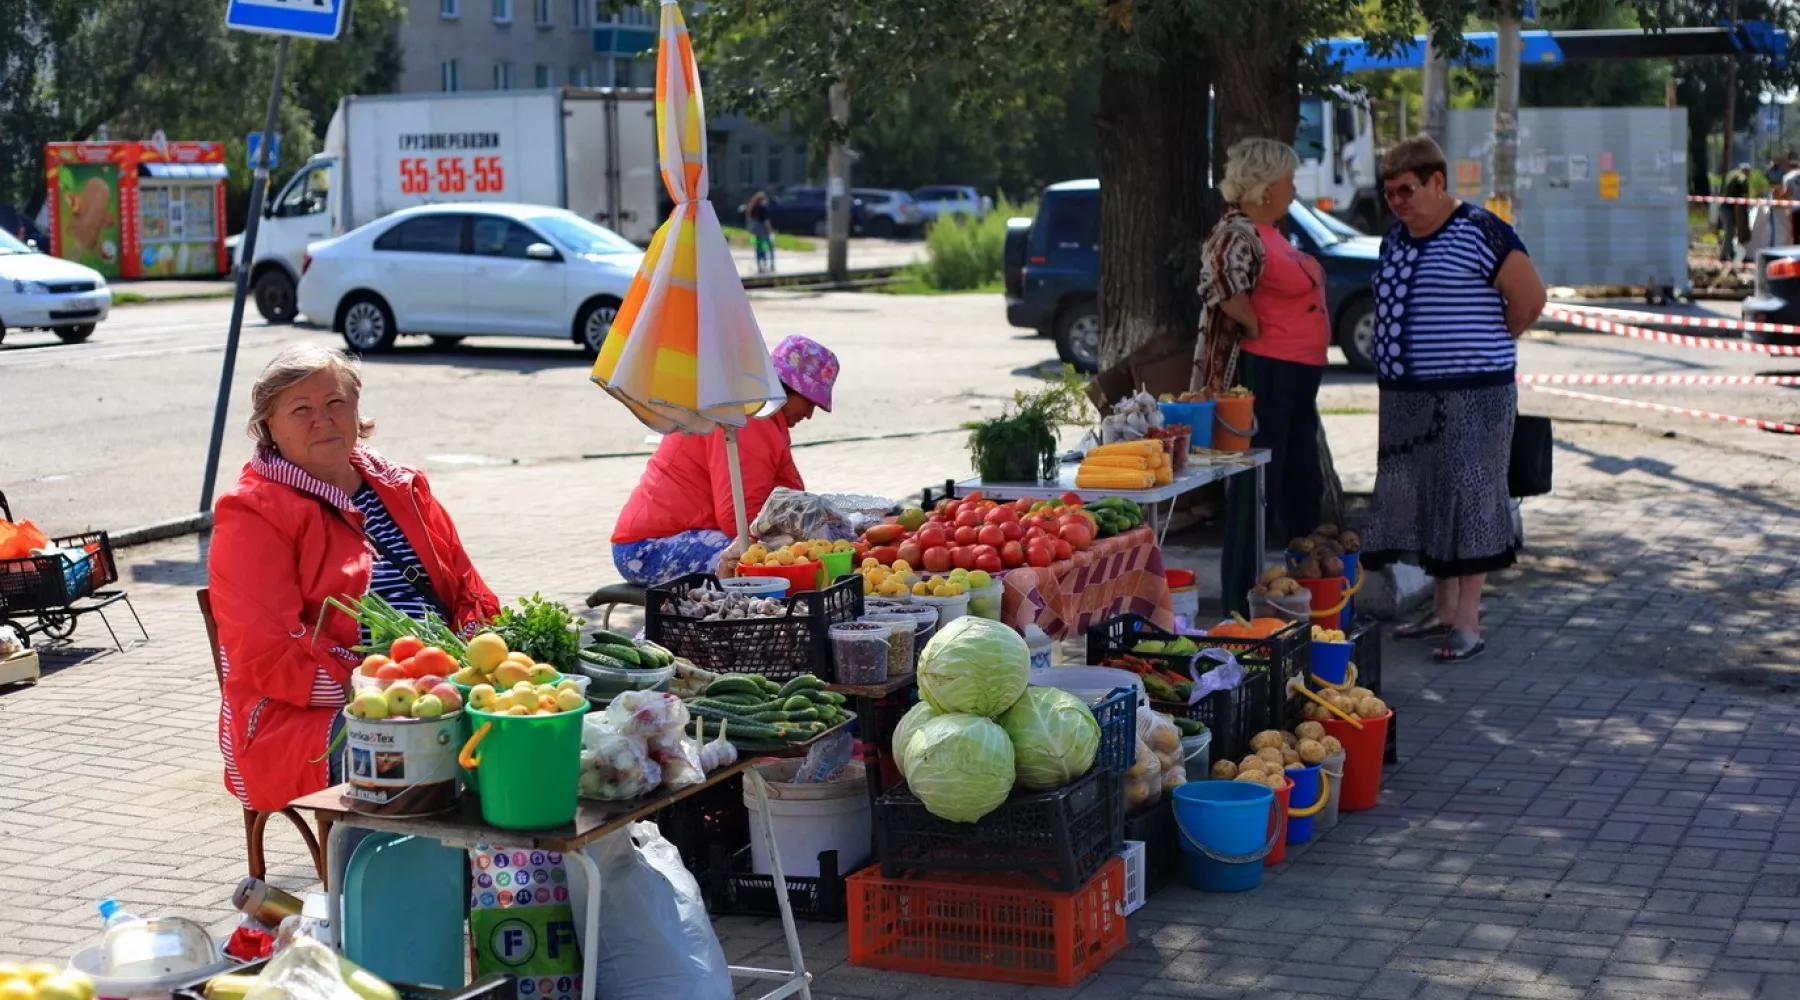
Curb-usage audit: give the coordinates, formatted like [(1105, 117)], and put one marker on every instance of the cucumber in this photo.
[(736, 684), (601, 637), (796, 703), (767, 684), (801, 683), (602, 660), (630, 654), (663, 656)]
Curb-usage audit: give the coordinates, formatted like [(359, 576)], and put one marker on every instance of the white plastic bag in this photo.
[(679, 757), (304, 970), (615, 767), (647, 714), (656, 940)]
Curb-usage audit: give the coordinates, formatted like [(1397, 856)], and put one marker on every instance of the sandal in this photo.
[(1428, 627), (1460, 647)]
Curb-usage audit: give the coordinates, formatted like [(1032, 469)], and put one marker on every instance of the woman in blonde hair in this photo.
[(1264, 325)]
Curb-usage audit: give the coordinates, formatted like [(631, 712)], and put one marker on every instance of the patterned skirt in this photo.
[(1440, 481)]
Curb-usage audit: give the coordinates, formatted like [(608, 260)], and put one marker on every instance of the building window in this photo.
[(543, 77), (774, 174), (747, 166), (449, 10), (544, 17), (452, 75), (578, 76), (502, 75), (503, 11), (578, 13)]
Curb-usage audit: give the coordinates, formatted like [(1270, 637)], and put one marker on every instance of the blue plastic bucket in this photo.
[(1330, 664), (1304, 802), (1226, 831), (1353, 574), (1199, 416)]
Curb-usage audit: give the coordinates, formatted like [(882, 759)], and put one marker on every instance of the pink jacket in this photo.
[(687, 485)]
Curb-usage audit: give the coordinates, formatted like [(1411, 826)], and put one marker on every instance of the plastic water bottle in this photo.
[(111, 916)]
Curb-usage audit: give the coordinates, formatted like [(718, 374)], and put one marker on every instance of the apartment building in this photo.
[(452, 45)]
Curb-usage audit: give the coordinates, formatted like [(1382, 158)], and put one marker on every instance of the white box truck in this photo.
[(591, 151)]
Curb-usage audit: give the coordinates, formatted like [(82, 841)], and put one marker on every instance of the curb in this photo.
[(193, 524), (152, 300)]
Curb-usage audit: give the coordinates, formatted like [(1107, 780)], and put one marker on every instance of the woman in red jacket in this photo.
[(680, 517), (316, 514)]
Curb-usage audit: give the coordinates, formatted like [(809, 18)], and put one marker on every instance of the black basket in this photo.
[(44, 582), (1365, 652), (732, 889), (1060, 837), (1233, 715), (777, 648), (877, 737), (1156, 830), (1117, 715)]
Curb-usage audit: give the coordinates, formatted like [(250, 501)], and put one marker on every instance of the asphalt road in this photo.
[(112, 433)]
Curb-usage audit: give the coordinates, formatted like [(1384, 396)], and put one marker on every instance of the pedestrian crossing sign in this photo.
[(319, 20)]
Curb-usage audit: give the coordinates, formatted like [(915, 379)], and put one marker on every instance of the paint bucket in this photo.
[(1234, 420), (1224, 827), (799, 576), (1305, 801), (1333, 770), (1363, 750), (530, 767), (402, 767)]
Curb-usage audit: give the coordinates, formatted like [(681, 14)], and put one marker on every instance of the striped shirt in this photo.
[(385, 578), (1440, 323)]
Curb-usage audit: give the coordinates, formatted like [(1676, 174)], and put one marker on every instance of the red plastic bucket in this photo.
[(1278, 826), (1330, 596), (1363, 750), (800, 576)]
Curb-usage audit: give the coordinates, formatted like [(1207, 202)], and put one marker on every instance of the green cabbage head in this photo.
[(909, 723), (974, 665), (959, 766), (1054, 738)]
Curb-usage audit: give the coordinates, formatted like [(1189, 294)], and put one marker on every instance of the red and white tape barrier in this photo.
[(1670, 319), (1537, 380), (1599, 325), (1715, 199), (1765, 425)]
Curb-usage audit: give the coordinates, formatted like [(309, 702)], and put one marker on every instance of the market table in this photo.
[(1115, 575), (464, 828)]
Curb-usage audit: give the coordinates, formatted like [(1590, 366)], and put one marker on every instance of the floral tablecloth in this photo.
[(1114, 576)]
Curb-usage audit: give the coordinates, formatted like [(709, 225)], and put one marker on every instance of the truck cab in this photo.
[(1338, 171), (305, 211)]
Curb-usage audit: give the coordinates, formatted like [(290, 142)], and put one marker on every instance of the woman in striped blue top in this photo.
[(1454, 290)]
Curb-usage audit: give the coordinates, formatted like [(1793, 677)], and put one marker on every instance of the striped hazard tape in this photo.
[(1765, 425), (1599, 325), (1670, 319), (1717, 199), (1536, 380)]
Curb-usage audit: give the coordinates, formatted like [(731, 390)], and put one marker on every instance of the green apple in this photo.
[(482, 696), (429, 706), (400, 698), (369, 705), (978, 580)]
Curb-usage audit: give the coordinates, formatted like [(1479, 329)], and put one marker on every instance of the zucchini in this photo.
[(602, 660), (736, 684), (629, 654)]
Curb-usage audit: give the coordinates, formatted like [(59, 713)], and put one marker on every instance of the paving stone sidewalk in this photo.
[(1601, 808)]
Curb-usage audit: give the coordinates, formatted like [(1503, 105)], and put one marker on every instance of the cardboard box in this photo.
[(1164, 365), (19, 668)]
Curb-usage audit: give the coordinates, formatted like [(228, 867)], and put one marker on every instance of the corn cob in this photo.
[(1142, 447), (1112, 478), (1164, 475), (1134, 462)]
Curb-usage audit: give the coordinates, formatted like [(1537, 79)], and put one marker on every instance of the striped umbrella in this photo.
[(684, 352)]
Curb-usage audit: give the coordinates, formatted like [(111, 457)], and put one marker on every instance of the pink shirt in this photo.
[(1289, 302)]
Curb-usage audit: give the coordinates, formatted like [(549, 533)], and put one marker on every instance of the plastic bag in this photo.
[(304, 970), (655, 939), (17, 540), (679, 757), (10, 643), (1158, 732), (647, 714), (614, 766), (1143, 780), (801, 515)]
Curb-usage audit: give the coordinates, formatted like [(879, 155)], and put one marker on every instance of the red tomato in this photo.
[(991, 535), (405, 647), (1079, 536), (1012, 531), (968, 517), (937, 560), (1067, 519), (1063, 550), (987, 560), (932, 536), (963, 557), (946, 507), (434, 661), (394, 671), (974, 497), (1039, 553), (1001, 515), (964, 535), (1012, 554), (1023, 505), (1035, 532), (1071, 499), (884, 554), (910, 553), (860, 550)]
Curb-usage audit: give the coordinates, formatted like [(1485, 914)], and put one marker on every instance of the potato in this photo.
[(1309, 731), (1359, 693), (1312, 751), (1331, 566), (1253, 776), (1351, 541), (1295, 766), (1266, 738), (1313, 710), (1276, 780), (1290, 758), (1252, 763), (1224, 769), (1301, 545), (1271, 755), (1289, 741), (1371, 708), (1327, 530), (1309, 569), (1272, 574), (1259, 591), (1331, 745)]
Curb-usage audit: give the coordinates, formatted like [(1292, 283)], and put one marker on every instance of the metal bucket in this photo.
[(403, 767)]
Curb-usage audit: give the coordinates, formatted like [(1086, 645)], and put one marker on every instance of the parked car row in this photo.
[(41, 292), (883, 213)]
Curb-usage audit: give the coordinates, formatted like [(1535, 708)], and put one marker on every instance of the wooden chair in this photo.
[(614, 594), (255, 822)]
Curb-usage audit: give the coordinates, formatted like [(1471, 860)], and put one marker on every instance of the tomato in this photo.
[(1012, 554), (991, 535), (434, 661), (963, 557), (910, 552), (968, 517), (860, 550), (1077, 519), (405, 647), (974, 497), (1064, 550), (1070, 499), (1079, 536), (932, 536), (1001, 515), (1039, 553), (1035, 532), (964, 535), (1013, 531), (884, 534), (1023, 505), (987, 560), (394, 671), (938, 560), (884, 554)]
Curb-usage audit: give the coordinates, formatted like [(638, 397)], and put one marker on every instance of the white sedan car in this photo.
[(469, 269), (41, 292)]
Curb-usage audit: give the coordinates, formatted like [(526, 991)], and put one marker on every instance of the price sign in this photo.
[(432, 175)]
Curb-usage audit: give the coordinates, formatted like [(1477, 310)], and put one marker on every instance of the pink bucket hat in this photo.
[(808, 368)]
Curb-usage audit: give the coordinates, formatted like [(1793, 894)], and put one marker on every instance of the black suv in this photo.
[(802, 210), (1053, 273)]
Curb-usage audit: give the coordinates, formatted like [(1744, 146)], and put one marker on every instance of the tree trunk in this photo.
[(1153, 197)]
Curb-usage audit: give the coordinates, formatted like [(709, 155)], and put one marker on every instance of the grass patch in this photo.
[(1344, 411), (964, 254), (134, 299), (783, 241), (914, 281)]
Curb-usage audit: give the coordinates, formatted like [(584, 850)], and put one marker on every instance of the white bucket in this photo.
[(1090, 684), (811, 818), (403, 767), (1185, 601), (1196, 751), (949, 609), (1333, 771)]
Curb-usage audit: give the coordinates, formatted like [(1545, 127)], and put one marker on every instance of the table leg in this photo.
[(590, 942), (1261, 530), (799, 979), (865, 716), (334, 890)]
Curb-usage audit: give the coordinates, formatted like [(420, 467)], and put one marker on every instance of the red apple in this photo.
[(990, 535), (963, 557), (937, 560), (965, 535), (987, 560), (932, 536), (1064, 550), (1012, 554)]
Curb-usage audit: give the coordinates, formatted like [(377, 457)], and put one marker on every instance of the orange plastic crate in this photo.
[(1003, 928)]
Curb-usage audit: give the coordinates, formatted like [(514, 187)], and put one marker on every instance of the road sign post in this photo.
[(319, 20)]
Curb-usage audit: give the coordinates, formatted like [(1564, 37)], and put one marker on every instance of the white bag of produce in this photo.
[(656, 940), (615, 767)]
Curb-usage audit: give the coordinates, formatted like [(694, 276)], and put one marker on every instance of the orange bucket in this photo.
[(1234, 423), (800, 576), (1330, 595), (1278, 826), (1363, 750)]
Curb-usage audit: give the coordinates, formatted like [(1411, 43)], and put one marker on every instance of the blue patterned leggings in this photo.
[(654, 561)]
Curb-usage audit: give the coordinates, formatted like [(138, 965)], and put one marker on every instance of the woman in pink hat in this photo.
[(680, 518)]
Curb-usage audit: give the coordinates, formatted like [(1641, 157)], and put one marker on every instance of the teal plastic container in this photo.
[(1227, 828)]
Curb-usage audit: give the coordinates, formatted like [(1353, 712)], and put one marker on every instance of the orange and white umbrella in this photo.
[(684, 352)]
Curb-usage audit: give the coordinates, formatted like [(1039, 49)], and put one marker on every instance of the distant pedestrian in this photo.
[(762, 237), (1735, 216), (1453, 290)]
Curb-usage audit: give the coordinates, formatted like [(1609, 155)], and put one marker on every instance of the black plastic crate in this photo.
[(1117, 715), (41, 582), (1232, 716), (1155, 829), (714, 817), (1060, 837), (1365, 652), (732, 889), (777, 648)]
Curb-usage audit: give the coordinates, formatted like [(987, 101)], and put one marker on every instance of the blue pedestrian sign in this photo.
[(256, 147), (319, 20)]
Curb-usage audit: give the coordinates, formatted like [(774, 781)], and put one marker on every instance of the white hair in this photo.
[(1252, 165)]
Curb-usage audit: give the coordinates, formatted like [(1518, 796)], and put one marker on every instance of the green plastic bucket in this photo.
[(530, 767), (833, 565)]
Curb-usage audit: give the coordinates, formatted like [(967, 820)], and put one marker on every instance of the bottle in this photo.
[(111, 916), (1040, 644), (264, 903)]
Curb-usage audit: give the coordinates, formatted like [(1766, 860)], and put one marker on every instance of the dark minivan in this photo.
[(1053, 273)]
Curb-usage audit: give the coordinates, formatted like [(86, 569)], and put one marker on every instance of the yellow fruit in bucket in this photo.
[(18, 988), (570, 700)]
